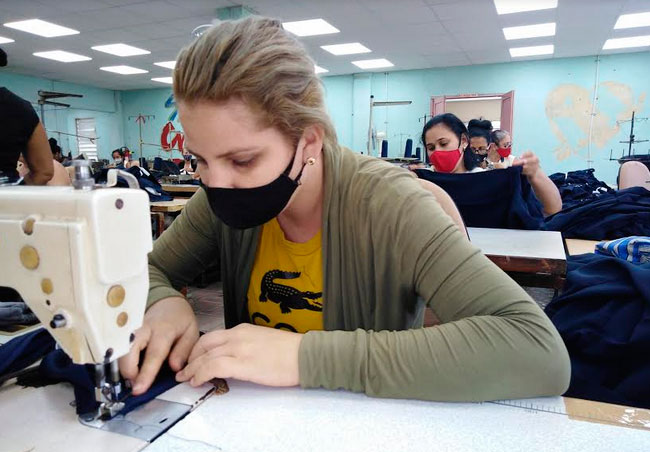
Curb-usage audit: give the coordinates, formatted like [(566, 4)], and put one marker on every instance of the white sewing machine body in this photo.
[(61, 249)]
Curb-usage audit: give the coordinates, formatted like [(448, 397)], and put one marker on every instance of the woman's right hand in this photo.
[(169, 329)]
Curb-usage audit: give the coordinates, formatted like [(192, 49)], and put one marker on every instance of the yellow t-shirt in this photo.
[(286, 285)]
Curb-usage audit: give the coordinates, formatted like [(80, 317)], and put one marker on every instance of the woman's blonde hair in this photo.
[(256, 60)]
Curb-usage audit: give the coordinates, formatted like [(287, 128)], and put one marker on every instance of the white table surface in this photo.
[(518, 243), (255, 418)]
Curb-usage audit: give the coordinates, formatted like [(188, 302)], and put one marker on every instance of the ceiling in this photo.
[(412, 34)]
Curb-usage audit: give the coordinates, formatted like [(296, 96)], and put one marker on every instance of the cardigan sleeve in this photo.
[(184, 250), (493, 342)]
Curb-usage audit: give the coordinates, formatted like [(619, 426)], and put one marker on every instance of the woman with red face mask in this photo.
[(447, 142), (500, 153)]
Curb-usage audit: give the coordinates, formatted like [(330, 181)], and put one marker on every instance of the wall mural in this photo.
[(568, 107), (170, 138)]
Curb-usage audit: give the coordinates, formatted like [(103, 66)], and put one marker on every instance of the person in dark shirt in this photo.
[(57, 152), (22, 132)]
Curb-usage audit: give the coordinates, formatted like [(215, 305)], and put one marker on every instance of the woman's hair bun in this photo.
[(480, 123)]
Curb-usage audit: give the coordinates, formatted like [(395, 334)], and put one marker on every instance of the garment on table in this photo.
[(631, 249), (622, 213), (603, 316), (286, 285), (17, 123), (388, 249), (56, 367), (16, 313), (577, 187), (491, 199), (24, 350), (165, 167), (146, 181)]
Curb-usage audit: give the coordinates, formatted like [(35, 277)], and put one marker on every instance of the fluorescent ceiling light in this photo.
[(373, 64), (346, 49), (473, 99), (311, 27), (125, 70), (121, 50), (532, 51), (529, 31), (633, 20), (5, 40), (623, 43), (518, 6), (167, 64), (167, 80), (319, 70), (41, 28), (62, 55)]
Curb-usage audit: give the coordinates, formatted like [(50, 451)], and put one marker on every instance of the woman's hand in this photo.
[(530, 163), (169, 329), (246, 352)]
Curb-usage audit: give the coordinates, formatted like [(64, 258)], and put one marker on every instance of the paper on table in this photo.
[(252, 417)]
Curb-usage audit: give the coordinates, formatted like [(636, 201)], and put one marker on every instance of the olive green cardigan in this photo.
[(388, 248)]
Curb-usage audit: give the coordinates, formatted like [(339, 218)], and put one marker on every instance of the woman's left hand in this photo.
[(530, 163), (246, 352)]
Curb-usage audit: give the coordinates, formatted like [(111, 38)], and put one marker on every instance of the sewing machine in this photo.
[(61, 249)]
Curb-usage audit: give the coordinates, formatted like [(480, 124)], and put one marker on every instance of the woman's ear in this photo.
[(312, 142), (463, 142)]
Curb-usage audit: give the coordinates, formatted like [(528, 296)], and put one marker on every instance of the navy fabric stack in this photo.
[(603, 315), (577, 187), (613, 215)]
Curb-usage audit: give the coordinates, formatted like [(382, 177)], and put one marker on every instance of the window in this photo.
[(86, 131)]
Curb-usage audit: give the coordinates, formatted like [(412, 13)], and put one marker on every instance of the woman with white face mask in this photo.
[(118, 159), (328, 256)]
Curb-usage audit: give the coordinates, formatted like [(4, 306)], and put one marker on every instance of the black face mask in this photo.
[(244, 208)]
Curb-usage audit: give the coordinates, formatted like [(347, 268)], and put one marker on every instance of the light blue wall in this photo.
[(566, 85), (147, 102), (102, 104), (551, 112)]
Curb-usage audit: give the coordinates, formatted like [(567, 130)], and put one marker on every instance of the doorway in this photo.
[(498, 108)]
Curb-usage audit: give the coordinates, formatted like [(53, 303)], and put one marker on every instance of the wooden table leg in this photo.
[(159, 221)]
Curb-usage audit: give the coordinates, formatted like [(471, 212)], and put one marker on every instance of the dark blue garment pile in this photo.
[(147, 183), (491, 199), (622, 213), (604, 318), (577, 187), (57, 367)]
